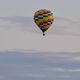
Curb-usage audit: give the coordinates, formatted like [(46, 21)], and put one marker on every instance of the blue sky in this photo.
[(64, 8)]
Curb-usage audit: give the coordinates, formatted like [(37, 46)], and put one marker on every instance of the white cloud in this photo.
[(61, 26), (63, 70), (77, 58)]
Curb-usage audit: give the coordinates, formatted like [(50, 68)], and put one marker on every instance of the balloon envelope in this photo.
[(43, 18)]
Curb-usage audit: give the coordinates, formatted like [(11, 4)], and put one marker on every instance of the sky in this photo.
[(18, 30), (35, 65), (25, 54), (63, 8)]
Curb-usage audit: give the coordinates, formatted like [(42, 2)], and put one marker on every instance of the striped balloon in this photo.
[(43, 18)]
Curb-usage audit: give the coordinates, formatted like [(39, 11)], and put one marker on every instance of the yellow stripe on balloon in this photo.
[(40, 20), (45, 27)]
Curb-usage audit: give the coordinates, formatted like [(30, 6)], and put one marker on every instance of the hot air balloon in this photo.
[(43, 19)]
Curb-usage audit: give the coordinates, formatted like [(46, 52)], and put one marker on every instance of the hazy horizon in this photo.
[(33, 65)]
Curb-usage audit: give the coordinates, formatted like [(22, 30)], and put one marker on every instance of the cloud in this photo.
[(31, 75), (63, 70), (76, 58), (17, 23), (24, 34), (21, 20), (38, 65), (61, 26), (16, 19)]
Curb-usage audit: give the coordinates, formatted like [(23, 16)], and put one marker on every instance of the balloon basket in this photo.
[(43, 34)]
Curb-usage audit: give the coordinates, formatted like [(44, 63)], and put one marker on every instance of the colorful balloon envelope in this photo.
[(43, 18)]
